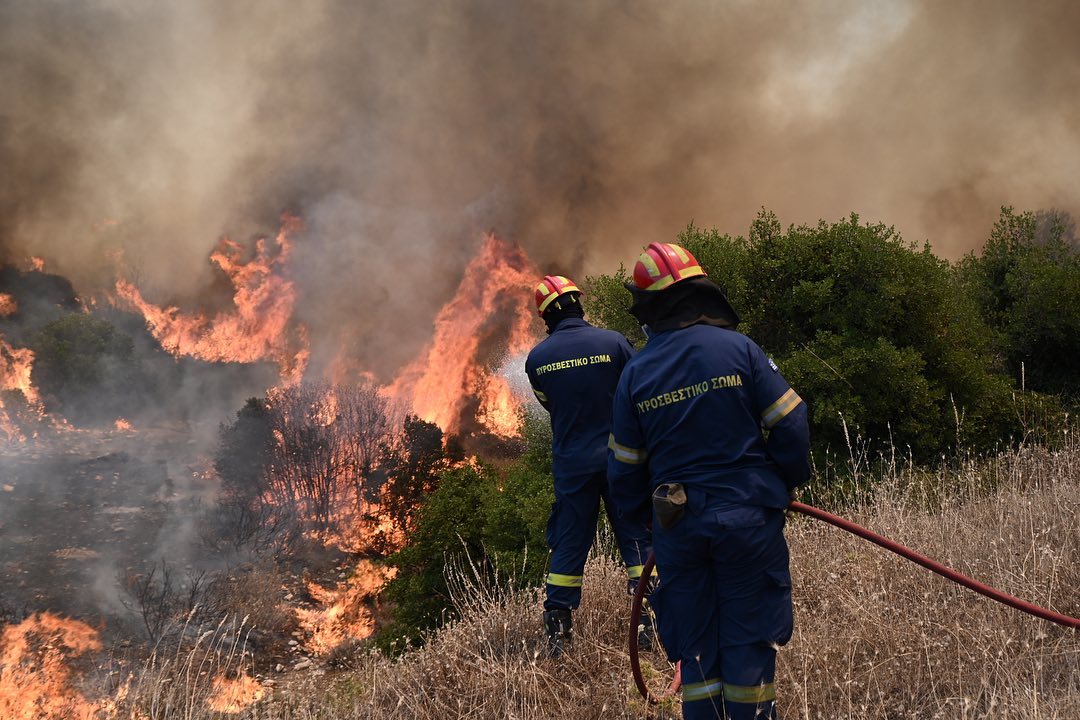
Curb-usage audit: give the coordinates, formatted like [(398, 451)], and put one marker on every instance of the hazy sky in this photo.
[(401, 130)]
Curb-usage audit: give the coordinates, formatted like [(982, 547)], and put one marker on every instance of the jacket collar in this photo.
[(570, 322)]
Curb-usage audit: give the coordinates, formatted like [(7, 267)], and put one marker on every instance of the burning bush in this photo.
[(299, 461), (36, 679)]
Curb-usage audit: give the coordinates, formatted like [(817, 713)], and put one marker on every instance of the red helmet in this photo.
[(664, 264), (551, 287)]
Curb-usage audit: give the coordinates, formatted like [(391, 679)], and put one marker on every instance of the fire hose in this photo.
[(908, 553)]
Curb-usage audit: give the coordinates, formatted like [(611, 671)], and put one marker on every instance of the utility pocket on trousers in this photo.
[(776, 614), (551, 533), (669, 504), (741, 516)]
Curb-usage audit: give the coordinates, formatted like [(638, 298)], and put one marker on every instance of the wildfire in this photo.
[(123, 425), (37, 264), (345, 613), (259, 327), (453, 383), (454, 378), (16, 365), (233, 696), (35, 680), (8, 305)]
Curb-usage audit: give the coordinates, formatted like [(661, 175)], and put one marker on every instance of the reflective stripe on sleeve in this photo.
[(779, 409), (634, 571), (712, 687), (750, 694), (628, 455), (541, 396), (564, 580)]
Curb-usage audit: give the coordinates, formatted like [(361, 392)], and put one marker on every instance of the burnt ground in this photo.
[(82, 511)]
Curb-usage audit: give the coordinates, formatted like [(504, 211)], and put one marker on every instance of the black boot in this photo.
[(559, 625)]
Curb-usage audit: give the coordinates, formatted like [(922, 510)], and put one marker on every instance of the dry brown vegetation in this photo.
[(876, 636)]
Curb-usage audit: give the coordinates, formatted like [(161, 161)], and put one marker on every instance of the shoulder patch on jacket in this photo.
[(773, 365)]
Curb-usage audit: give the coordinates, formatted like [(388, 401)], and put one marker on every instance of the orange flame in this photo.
[(345, 613), (37, 264), (233, 696), (453, 383), (16, 365), (35, 681), (490, 309), (8, 305), (123, 425), (258, 328)]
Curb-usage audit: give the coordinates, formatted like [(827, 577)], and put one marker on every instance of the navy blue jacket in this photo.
[(691, 408), (574, 373)]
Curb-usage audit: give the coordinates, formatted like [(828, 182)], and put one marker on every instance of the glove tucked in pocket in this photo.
[(669, 504)]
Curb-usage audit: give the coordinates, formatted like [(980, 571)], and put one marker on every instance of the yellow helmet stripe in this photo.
[(547, 301), (690, 271), (650, 265), (551, 293)]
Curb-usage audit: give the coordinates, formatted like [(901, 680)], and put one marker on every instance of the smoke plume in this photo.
[(135, 133)]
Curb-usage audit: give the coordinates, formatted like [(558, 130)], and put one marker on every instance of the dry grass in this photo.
[(185, 682), (876, 636), (879, 637), (255, 592)]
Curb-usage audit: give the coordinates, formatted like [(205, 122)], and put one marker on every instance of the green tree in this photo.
[(243, 519), (246, 452), (870, 330), (84, 368), (495, 517), (1026, 282), (607, 304), (410, 470)]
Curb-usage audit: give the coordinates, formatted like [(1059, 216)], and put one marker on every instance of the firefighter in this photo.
[(573, 373), (709, 440)]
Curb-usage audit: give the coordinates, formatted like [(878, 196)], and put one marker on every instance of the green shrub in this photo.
[(84, 368), (494, 517), (873, 332), (1026, 283)]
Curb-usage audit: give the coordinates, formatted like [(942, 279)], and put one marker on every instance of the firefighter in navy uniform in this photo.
[(574, 372), (709, 440)]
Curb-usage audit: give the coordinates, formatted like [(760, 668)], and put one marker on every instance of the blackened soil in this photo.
[(75, 523)]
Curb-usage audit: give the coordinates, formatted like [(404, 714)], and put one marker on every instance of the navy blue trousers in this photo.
[(724, 605), (571, 529)]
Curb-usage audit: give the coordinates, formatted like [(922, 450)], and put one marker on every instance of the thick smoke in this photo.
[(401, 130)]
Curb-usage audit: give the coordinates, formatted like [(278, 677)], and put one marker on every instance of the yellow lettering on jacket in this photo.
[(572, 363), (689, 392)]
